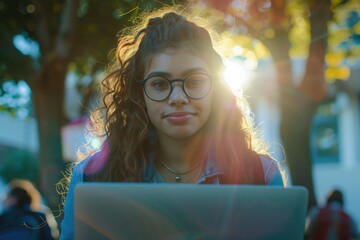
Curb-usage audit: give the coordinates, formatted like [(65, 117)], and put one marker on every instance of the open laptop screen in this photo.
[(186, 211)]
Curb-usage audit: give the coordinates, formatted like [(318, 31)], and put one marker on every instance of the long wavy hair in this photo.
[(122, 119)]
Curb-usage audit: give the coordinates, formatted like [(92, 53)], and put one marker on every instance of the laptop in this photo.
[(188, 211)]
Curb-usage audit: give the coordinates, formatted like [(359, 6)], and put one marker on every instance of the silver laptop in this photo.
[(170, 211)]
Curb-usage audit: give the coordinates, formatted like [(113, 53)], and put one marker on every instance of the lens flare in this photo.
[(236, 75)]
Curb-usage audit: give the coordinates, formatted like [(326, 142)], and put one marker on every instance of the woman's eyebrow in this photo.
[(184, 73), (194, 70), (159, 73)]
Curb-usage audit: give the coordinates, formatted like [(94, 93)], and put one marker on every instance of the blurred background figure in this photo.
[(24, 215), (331, 221), (3, 191)]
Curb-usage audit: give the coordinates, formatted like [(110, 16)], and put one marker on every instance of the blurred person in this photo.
[(169, 117), (24, 215), (3, 191), (38, 204), (331, 222)]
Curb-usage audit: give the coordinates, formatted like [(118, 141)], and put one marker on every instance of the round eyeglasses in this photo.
[(159, 87)]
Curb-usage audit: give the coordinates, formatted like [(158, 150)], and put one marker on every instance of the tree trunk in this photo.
[(48, 91), (306, 99), (48, 95), (297, 110)]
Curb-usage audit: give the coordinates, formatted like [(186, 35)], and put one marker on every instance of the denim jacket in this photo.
[(210, 174)]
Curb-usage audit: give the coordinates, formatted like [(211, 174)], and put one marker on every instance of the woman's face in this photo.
[(178, 116)]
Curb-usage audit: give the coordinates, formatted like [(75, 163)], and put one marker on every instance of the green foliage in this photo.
[(299, 33), (97, 25), (15, 98), (96, 29), (343, 39), (345, 28), (18, 164)]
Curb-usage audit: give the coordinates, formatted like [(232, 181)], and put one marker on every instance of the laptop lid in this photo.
[(187, 211)]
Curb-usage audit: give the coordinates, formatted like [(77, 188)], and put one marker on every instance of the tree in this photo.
[(274, 23), (66, 33)]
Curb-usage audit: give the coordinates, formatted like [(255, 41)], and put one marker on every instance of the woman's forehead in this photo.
[(176, 62)]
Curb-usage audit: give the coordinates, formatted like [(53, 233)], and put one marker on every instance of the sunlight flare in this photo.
[(236, 75)]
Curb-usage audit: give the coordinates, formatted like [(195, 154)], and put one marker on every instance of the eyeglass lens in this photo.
[(196, 85)]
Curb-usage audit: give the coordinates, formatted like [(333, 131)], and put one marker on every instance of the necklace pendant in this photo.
[(177, 178)]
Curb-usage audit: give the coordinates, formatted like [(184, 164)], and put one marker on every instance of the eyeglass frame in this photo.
[(171, 81)]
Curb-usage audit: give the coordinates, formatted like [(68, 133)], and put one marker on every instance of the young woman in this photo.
[(168, 116)]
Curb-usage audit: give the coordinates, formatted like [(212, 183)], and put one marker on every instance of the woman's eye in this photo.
[(197, 80), (194, 82), (159, 83)]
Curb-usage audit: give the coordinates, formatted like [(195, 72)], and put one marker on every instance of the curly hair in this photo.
[(123, 120)]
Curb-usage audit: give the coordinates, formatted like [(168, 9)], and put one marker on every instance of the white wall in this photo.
[(20, 133)]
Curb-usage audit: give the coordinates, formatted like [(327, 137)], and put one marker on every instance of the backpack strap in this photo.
[(257, 171), (93, 165)]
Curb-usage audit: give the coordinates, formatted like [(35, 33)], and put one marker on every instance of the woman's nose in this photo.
[(178, 96)]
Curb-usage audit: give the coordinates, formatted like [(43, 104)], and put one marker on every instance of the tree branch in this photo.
[(42, 30), (314, 84)]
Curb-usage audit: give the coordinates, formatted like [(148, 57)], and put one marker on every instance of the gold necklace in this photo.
[(179, 173)]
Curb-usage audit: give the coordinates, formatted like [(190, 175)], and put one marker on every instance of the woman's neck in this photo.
[(181, 154)]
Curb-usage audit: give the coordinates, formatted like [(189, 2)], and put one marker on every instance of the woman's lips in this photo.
[(178, 118)]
